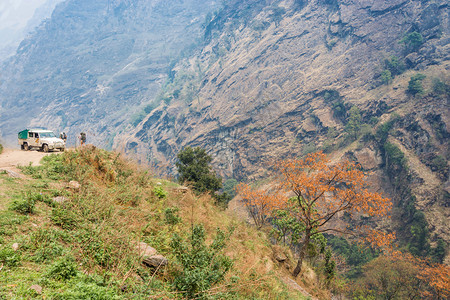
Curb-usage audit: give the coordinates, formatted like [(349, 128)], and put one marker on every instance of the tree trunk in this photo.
[(302, 255)]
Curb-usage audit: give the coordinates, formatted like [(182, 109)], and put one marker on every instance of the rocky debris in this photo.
[(295, 286), (60, 199), (155, 261), (74, 185), (367, 158), (15, 246), (11, 174), (149, 255), (145, 250), (278, 254), (182, 189), (37, 288)]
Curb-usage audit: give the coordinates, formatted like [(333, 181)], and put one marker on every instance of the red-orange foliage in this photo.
[(322, 192), (259, 203)]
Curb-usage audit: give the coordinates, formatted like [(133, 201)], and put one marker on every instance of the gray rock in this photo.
[(155, 261), (37, 288), (75, 185), (11, 174), (15, 246), (60, 199), (145, 250)]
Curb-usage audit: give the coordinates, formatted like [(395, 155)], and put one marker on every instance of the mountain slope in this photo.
[(280, 79), (92, 62)]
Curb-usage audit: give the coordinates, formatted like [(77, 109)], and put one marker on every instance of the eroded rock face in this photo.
[(265, 98)]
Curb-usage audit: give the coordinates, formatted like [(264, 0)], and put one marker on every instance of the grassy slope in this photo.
[(84, 247)]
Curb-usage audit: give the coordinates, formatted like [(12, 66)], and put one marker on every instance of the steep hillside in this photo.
[(66, 239), (87, 67), (279, 78)]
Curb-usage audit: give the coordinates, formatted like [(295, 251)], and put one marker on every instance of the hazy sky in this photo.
[(16, 13)]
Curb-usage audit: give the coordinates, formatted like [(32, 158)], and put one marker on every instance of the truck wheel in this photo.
[(25, 147), (45, 148), (62, 149)]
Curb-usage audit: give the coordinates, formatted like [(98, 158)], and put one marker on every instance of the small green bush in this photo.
[(9, 257), (412, 41), (394, 65), (23, 206), (160, 192), (200, 266), (386, 77), (439, 87), (84, 290), (64, 218), (171, 215), (415, 84), (1, 148), (63, 269)]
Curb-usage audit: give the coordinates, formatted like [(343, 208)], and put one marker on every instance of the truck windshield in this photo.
[(46, 134)]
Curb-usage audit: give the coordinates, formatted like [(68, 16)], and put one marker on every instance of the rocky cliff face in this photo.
[(278, 80), (269, 75)]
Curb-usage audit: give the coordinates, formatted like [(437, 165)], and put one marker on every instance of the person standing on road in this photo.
[(63, 136), (82, 138)]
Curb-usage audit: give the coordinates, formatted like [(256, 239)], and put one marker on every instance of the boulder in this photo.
[(145, 250), (37, 288), (182, 189), (155, 261), (60, 199), (74, 185), (15, 246)]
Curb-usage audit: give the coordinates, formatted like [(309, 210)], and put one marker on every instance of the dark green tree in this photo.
[(415, 84), (412, 41), (194, 167), (394, 65), (354, 122), (386, 77)]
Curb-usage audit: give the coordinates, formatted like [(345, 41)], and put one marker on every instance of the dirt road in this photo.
[(11, 158)]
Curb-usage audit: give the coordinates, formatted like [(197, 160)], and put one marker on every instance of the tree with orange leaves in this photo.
[(259, 203), (323, 192)]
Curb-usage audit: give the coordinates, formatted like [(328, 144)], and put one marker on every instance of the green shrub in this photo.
[(439, 87), (171, 215), (63, 269), (160, 192), (200, 266), (394, 65), (415, 85), (412, 41), (1, 148), (386, 77), (44, 244), (65, 218), (23, 206), (9, 257), (193, 167), (87, 290)]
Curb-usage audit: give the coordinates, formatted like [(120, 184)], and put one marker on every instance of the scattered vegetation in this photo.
[(415, 87), (83, 247)]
